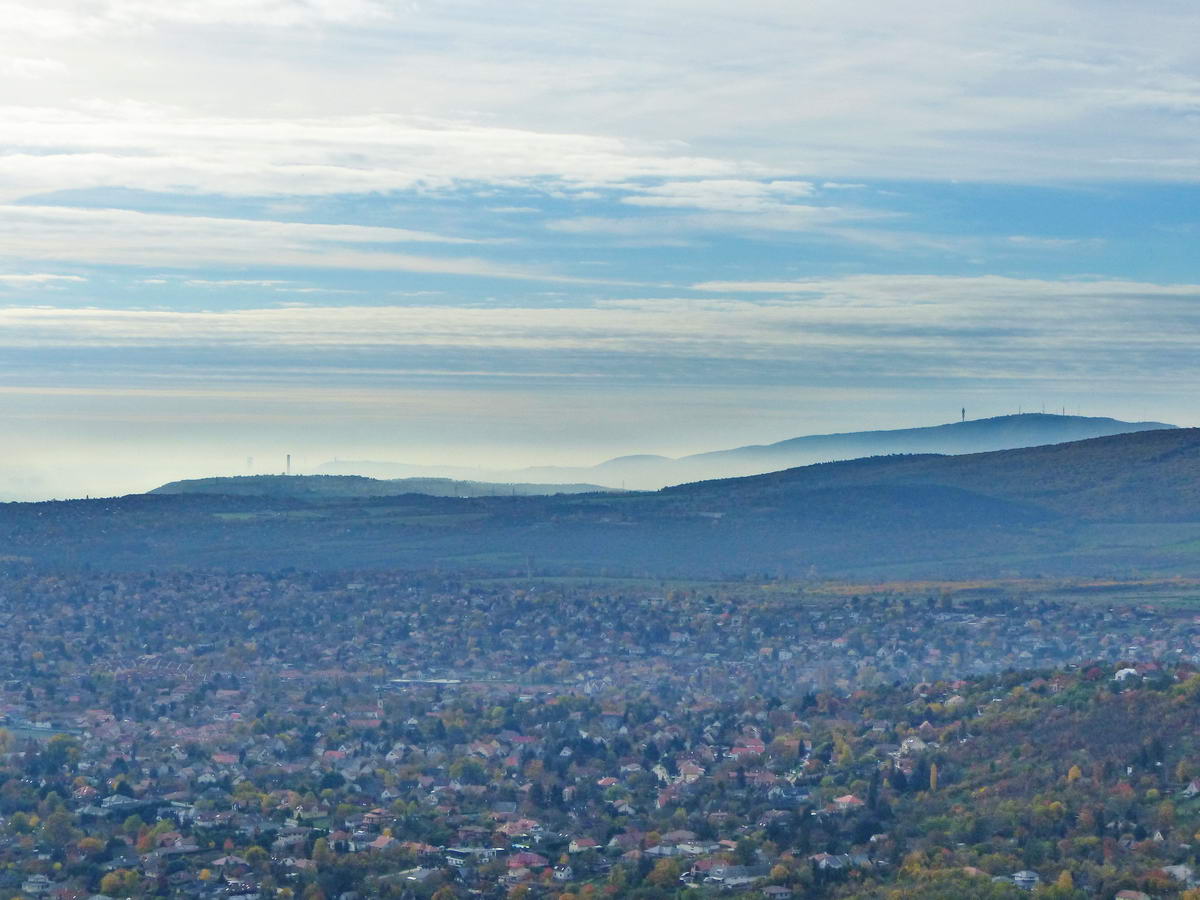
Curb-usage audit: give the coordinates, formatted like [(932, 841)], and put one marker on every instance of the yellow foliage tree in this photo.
[(913, 865), (665, 873), (119, 882), (1074, 774), (841, 750)]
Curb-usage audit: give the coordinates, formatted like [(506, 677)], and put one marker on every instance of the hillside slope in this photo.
[(348, 486), (650, 472), (1151, 476), (1072, 771), (973, 436), (1108, 506)]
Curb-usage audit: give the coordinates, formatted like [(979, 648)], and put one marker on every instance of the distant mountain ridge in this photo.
[(1149, 476), (1116, 506), (348, 486), (650, 472)]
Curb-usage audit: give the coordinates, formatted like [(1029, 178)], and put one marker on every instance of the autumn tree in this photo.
[(321, 853), (665, 873), (119, 882)]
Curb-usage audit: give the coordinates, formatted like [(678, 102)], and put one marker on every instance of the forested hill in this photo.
[(972, 436), (349, 486), (1109, 506), (647, 471), (1149, 476)]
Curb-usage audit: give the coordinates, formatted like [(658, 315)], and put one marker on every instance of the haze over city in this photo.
[(544, 233)]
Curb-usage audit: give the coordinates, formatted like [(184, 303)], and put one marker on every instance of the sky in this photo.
[(536, 232)]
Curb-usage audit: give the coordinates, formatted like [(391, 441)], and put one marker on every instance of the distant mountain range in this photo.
[(650, 472), (1113, 506), (346, 486), (1149, 476)]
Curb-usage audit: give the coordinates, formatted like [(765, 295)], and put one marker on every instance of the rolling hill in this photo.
[(1106, 506), (347, 486), (1150, 476), (650, 472)]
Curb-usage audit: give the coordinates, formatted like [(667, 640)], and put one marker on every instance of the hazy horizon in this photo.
[(545, 233), (108, 470)]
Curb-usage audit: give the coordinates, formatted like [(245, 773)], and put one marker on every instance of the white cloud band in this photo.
[(969, 327)]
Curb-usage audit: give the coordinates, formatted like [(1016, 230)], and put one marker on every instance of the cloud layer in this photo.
[(911, 327), (165, 149), (132, 238), (1026, 90), (540, 224)]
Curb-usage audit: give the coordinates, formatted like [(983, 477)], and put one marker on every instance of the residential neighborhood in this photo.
[(377, 735)]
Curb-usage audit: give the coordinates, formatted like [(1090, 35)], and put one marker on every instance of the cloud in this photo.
[(30, 67), (71, 18), (37, 278), (862, 328), (335, 96), (272, 13), (914, 289), (124, 237), (724, 195), (1049, 243), (729, 205), (234, 282), (315, 290), (744, 216), (164, 149)]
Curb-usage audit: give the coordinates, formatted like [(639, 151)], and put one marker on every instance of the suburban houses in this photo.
[(374, 736)]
